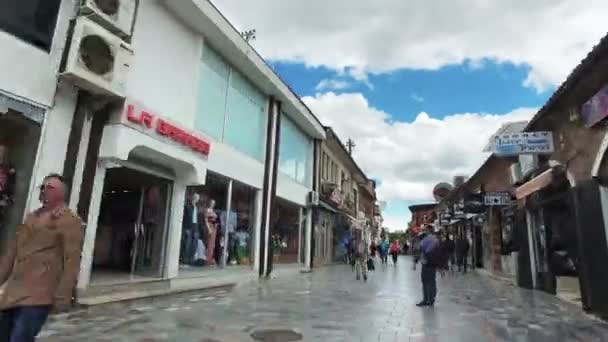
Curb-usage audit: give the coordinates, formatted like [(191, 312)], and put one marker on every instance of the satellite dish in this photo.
[(441, 191)]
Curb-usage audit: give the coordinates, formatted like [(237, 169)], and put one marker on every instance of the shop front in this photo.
[(20, 130), (218, 226), (144, 165)]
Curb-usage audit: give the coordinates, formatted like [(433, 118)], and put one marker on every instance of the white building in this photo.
[(185, 106)]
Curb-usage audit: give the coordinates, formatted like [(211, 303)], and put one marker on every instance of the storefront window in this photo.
[(210, 235), (286, 232), (230, 108), (295, 153), (32, 21), (18, 145)]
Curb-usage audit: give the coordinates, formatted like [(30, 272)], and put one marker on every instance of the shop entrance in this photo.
[(132, 228), (288, 232), (19, 138)]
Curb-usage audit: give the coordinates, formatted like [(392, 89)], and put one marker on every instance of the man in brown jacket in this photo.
[(40, 265)]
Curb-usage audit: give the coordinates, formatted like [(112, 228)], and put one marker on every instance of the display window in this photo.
[(218, 225), (19, 139), (287, 233)]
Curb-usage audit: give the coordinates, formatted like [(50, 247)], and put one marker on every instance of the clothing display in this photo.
[(211, 224), (7, 186), (228, 224)]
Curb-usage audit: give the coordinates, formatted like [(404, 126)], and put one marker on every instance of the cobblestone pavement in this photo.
[(329, 305)]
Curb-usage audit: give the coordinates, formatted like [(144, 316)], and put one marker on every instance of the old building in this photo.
[(347, 200)]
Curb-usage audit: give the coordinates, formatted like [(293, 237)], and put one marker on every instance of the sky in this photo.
[(420, 85)]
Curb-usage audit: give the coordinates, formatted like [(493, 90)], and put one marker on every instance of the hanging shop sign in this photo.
[(474, 203), (513, 144), (155, 124), (497, 199), (596, 108)]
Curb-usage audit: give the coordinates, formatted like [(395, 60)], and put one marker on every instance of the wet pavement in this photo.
[(329, 305)]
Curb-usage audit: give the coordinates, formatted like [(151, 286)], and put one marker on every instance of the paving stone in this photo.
[(329, 305)]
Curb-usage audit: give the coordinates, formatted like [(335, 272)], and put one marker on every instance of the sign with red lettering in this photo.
[(166, 129)]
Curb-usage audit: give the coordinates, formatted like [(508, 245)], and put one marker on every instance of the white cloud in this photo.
[(332, 84), (410, 157), (417, 98), (550, 36)]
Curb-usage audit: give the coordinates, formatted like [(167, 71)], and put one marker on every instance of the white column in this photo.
[(300, 229), (53, 143), (226, 233), (532, 246), (257, 229), (80, 160), (308, 242), (88, 247), (175, 230)]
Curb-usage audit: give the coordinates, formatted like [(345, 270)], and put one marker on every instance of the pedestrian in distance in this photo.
[(450, 248), (416, 249), (447, 253), (361, 257), (394, 249), (430, 258), (462, 251), (383, 251), (41, 264)]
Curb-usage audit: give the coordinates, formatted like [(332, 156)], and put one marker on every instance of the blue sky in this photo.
[(486, 88), (420, 85)]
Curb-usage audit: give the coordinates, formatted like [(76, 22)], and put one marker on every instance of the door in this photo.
[(151, 230)]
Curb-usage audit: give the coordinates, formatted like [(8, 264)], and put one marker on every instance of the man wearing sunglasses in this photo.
[(40, 265)]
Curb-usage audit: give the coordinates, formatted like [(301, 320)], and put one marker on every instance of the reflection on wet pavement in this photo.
[(329, 305)]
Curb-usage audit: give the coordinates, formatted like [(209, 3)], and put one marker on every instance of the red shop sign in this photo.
[(163, 127)]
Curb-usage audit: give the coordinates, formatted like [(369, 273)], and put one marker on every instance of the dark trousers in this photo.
[(461, 260), (395, 257), (22, 324), (428, 275)]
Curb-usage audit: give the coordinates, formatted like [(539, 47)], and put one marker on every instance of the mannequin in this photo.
[(7, 183), (211, 224), (190, 229)]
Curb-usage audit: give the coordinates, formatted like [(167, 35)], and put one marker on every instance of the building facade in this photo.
[(347, 201), (181, 161)]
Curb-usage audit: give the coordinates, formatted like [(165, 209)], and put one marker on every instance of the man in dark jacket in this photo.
[(462, 251)]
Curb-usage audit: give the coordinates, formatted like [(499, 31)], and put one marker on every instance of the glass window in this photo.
[(295, 154), (30, 20), (230, 109), (213, 87), (246, 122)]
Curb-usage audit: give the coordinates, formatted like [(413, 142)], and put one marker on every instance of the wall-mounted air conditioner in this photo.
[(115, 15), (516, 174), (98, 61)]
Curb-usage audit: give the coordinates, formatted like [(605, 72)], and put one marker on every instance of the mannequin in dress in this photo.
[(211, 224)]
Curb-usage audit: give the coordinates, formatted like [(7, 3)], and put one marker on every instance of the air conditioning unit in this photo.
[(516, 174), (98, 61), (313, 198), (115, 15)]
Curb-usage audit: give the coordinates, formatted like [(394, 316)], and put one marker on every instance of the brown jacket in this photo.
[(42, 261)]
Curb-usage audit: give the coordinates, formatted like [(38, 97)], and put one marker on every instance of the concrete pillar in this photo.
[(80, 161), (175, 231), (88, 247), (257, 227), (308, 240)]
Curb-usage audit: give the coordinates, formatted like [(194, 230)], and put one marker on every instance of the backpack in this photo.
[(434, 257)]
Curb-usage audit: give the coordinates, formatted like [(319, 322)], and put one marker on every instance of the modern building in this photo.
[(170, 104), (35, 110)]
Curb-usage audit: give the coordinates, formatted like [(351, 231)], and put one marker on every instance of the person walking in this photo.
[(41, 265), (383, 251), (450, 250), (462, 251), (395, 251), (361, 256), (430, 259)]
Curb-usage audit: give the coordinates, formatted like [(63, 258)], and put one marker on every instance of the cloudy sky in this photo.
[(420, 85)]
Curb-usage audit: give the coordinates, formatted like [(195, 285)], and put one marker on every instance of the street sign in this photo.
[(513, 144), (497, 198)]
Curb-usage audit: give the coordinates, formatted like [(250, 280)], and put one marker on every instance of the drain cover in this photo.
[(276, 335)]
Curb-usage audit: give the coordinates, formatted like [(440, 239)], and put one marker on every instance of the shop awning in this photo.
[(535, 184), (122, 143)]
